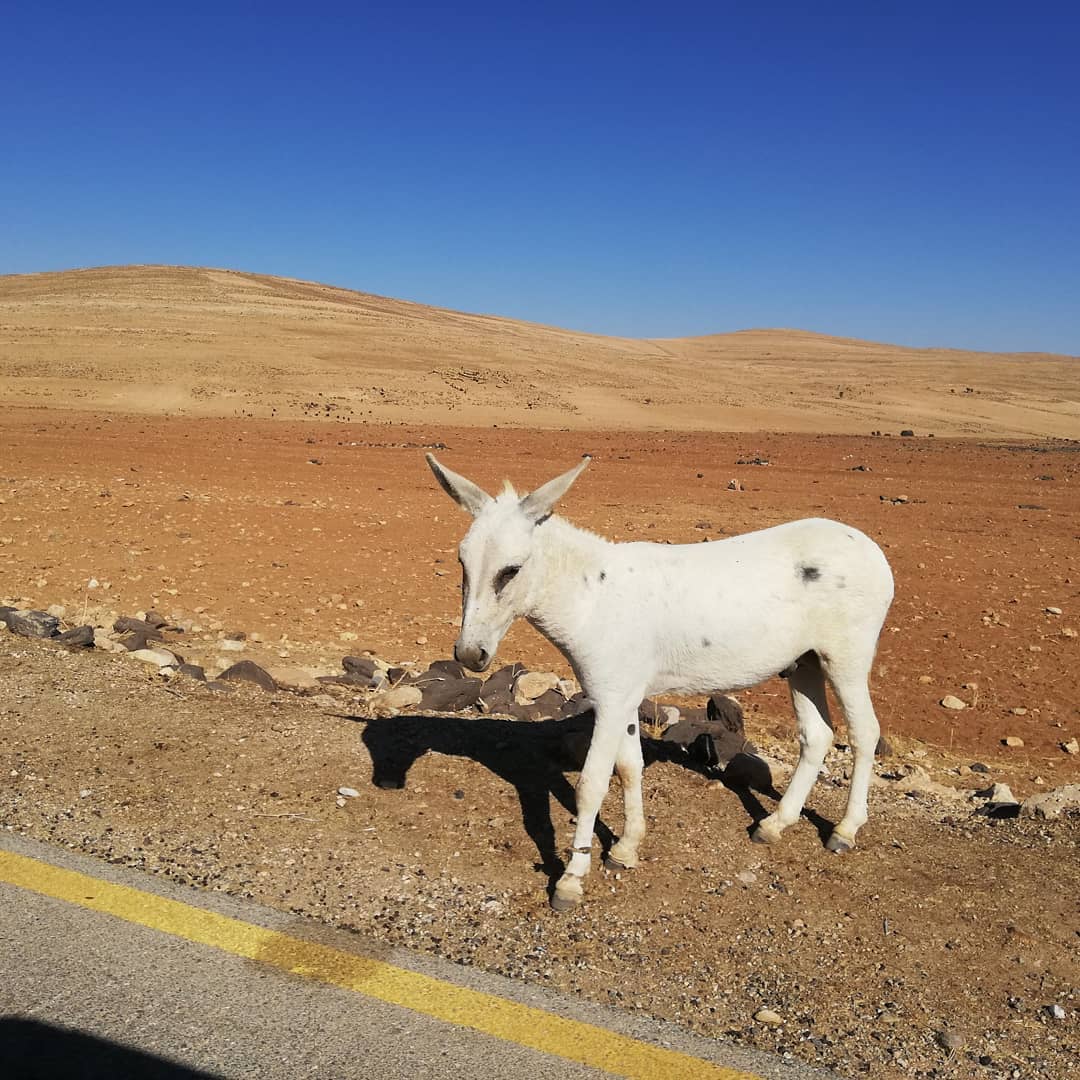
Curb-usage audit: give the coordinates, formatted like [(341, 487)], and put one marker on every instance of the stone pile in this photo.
[(712, 738)]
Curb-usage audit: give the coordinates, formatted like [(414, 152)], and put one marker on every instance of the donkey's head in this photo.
[(498, 574)]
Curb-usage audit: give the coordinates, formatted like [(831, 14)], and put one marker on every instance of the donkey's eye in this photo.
[(504, 577)]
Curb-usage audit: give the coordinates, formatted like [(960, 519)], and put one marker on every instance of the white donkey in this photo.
[(806, 599)]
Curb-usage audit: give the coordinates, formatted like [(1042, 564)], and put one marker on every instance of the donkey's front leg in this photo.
[(608, 729)]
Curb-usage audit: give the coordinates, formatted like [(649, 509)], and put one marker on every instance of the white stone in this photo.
[(767, 1016), (532, 684), (348, 792), (668, 715), (401, 697), (105, 643), (1050, 804), (916, 778), (161, 657), (229, 645), (951, 702), (1001, 795), (294, 678)]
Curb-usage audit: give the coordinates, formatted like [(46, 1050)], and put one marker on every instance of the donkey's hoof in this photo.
[(611, 863), (839, 845), (564, 903), (762, 834)]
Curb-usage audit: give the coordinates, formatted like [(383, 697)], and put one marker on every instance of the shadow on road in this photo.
[(32, 1050)]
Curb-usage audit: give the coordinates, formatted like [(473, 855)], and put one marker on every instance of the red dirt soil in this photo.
[(325, 539)]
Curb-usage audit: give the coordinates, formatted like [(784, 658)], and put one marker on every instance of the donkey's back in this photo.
[(727, 614)]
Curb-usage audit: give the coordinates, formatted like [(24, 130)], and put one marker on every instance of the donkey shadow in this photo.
[(534, 757), (527, 755)]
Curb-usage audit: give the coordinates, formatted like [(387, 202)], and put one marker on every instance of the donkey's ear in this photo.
[(464, 492), (540, 503)]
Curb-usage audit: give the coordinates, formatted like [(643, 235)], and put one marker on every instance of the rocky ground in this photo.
[(947, 945)]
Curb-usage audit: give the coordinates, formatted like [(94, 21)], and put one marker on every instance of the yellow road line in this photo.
[(486, 1013)]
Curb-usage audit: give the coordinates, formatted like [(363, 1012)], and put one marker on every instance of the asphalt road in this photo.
[(122, 975)]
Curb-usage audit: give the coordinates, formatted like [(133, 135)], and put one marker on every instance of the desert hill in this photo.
[(204, 342)]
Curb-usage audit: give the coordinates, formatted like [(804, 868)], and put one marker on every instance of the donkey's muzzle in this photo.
[(473, 657)]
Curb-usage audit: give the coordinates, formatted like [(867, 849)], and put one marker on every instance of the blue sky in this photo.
[(648, 170)]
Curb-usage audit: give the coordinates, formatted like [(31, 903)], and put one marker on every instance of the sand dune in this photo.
[(201, 342)]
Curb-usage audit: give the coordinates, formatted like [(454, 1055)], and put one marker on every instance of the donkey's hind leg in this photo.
[(807, 686), (629, 765), (850, 687)]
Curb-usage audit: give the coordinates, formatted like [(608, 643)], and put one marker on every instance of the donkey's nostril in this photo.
[(482, 659)]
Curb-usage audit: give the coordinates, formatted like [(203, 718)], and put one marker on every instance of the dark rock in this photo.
[(127, 625), (907, 433), (34, 624), (360, 665), (249, 671), (450, 695), (437, 672), (396, 674), (155, 620), (978, 766), (722, 743), (726, 712), (1029, 506), (549, 705), (497, 695), (192, 671), (79, 636), (883, 748), (530, 711), (355, 679), (578, 705), (141, 639), (502, 682), (448, 669), (496, 702), (690, 724), (649, 712)]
